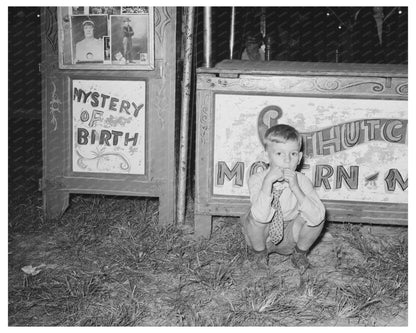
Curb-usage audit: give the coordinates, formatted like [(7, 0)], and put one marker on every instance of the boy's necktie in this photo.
[(276, 226)]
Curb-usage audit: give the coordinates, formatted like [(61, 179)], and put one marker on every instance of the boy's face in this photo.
[(285, 155)]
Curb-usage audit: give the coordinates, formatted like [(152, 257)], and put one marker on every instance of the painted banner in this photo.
[(108, 123), (354, 149)]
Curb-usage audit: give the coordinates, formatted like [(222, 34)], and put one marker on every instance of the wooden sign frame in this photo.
[(159, 177), (288, 79)]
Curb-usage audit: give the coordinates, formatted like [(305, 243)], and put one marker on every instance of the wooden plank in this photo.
[(304, 68), (203, 147), (318, 85), (108, 186), (353, 212)]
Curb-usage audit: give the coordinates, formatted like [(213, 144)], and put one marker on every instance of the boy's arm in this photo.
[(311, 207), (260, 198)]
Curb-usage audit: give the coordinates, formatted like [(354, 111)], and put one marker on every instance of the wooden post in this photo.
[(232, 32), (207, 38), (186, 92)]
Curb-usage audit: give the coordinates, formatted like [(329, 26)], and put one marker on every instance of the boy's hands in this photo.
[(275, 174), (291, 178), (278, 174)]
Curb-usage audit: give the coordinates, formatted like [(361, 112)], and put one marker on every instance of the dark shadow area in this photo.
[(24, 103)]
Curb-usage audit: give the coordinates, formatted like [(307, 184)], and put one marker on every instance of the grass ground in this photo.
[(107, 262)]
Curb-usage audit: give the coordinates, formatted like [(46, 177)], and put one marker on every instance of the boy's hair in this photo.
[(281, 133)]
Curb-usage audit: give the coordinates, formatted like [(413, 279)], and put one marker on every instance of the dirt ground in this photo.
[(107, 262)]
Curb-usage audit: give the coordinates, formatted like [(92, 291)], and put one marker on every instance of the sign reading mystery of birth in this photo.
[(354, 149), (108, 122)]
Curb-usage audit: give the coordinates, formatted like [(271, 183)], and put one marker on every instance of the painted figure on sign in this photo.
[(286, 214), (90, 49), (127, 40)]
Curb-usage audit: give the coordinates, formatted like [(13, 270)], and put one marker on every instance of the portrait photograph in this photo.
[(88, 38), (130, 42)]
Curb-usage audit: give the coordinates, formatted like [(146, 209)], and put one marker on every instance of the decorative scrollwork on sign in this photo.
[(51, 31), (160, 101), (333, 85), (161, 22), (54, 107), (327, 85), (204, 120), (98, 156), (401, 89)]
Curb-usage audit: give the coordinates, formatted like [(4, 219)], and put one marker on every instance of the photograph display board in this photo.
[(109, 126), (106, 37), (354, 149)]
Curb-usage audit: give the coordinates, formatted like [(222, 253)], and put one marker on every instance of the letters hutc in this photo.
[(342, 136)]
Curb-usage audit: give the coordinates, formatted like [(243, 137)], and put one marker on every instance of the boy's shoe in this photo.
[(300, 261)]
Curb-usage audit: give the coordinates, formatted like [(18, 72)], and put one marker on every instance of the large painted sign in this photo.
[(108, 124), (354, 149)]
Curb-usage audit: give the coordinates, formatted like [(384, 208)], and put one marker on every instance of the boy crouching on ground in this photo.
[(286, 214)]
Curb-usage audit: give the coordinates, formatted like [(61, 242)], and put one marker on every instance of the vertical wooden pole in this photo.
[(207, 38), (263, 22), (232, 33), (186, 92)]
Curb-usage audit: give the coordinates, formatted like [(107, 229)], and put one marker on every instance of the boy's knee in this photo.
[(320, 225), (301, 220), (253, 231)]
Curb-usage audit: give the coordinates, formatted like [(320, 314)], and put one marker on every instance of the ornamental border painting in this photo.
[(114, 38)]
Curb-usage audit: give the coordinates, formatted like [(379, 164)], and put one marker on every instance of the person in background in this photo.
[(127, 40), (286, 214), (254, 48), (90, 49)]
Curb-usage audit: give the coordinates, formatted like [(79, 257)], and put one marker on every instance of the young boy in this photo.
[(300, 208)]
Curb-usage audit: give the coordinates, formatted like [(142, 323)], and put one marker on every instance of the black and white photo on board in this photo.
[(130, 42), (87, 38)]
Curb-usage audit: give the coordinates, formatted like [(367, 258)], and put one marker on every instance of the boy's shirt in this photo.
[(312, 208)]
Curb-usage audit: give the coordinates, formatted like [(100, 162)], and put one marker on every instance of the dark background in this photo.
[(316, 33), (297, 34), (24, 117)]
